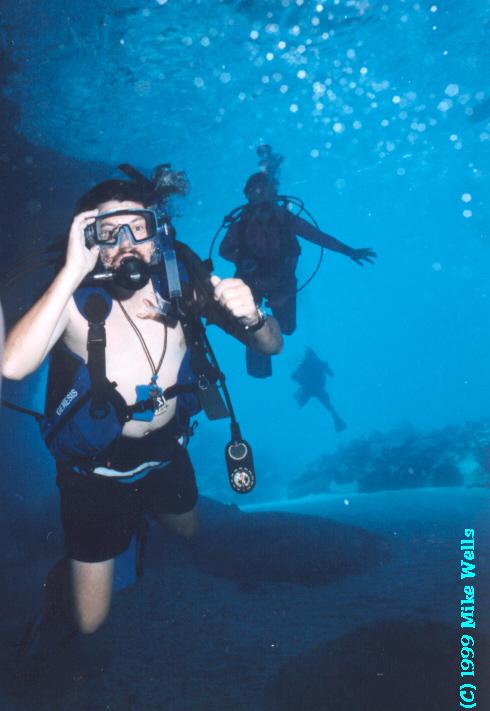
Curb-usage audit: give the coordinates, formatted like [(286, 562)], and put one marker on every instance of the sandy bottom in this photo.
[(194, 636)]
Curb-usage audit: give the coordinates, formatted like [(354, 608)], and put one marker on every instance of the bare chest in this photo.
[(137, 349)]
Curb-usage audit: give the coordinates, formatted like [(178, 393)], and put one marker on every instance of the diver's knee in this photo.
[(183, 524), (89, 623)]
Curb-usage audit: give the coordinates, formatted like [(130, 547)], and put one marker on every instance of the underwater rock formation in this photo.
[(403, 459), (39, 189), (281, 547)]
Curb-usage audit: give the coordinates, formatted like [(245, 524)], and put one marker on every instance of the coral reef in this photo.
[(403, 459)]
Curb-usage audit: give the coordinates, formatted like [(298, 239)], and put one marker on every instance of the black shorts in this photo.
[(100, 514)]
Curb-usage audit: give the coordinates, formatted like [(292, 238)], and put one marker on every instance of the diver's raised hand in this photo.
[(79, 257), (236, 297), (364, 254)]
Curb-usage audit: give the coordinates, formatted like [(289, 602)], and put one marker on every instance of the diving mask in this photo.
[(110, 228), (137, 225)]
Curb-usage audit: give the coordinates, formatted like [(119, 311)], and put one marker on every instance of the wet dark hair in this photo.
[(259, 180), (120, 190)]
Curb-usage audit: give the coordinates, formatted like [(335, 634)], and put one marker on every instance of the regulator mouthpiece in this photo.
[(132, 274)]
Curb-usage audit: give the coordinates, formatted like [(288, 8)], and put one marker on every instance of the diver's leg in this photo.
[(324, 398), (338, 422), (99, 517), (282, 302), (91, 590), (259, 365), (301, 397), (171, 495), (76, 599), (184, 524)]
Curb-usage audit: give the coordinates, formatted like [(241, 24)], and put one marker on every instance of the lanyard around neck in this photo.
[(155, 369)]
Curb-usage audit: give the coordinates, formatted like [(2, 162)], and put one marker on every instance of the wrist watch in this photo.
[(257, 326)]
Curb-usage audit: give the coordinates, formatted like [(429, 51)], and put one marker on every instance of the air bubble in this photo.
[(451, 90), (445, 105)]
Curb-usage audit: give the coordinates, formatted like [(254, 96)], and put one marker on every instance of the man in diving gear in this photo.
[(263, 245), (148, 470)]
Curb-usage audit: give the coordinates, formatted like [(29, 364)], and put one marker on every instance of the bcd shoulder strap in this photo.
[(95, 305)]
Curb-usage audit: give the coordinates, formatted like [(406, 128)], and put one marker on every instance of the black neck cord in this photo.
[(154, 369)]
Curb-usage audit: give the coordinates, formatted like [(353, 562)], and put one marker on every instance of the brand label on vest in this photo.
[(69, 397)]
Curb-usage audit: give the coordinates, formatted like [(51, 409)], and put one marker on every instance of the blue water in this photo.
[(381, 109)]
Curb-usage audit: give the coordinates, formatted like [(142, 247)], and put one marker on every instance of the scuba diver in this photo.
[(311, 375), (122, 324), (261, 240)]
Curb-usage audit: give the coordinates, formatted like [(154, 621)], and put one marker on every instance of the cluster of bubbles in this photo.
[(375, 81), (326, 70)]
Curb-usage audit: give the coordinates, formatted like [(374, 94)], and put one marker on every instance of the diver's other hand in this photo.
[(79, 257), (364, 254), (156, 309), (236, 297)]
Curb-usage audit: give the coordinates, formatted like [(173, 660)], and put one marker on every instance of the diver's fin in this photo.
[(53, 627), (43, 636), (259, 365)]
